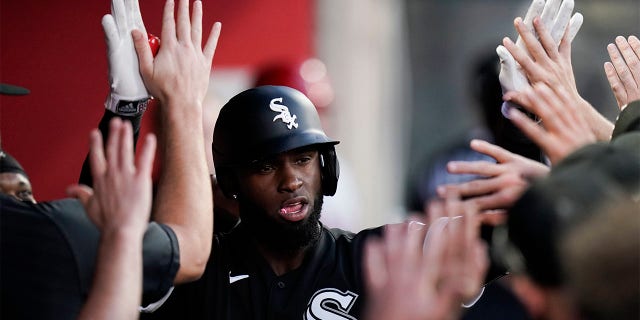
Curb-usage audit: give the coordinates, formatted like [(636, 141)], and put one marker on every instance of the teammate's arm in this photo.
[(119, 205), (178, 77)]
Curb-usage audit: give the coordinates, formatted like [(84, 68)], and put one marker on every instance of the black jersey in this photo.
[(48, 252), (239, 284)]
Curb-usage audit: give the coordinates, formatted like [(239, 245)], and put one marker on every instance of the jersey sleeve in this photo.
[(628, 120), (161, 259)]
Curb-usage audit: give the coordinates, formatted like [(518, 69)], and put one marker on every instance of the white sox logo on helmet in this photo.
[(285, 115)]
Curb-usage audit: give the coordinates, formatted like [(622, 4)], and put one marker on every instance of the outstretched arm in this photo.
[(119, 205), (128, 97), (179, 77)]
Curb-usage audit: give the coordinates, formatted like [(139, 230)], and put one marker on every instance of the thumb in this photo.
[(504, 55), (81, 192), (145, 57)]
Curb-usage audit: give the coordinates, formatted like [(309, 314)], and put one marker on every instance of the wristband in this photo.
[(126, 107)]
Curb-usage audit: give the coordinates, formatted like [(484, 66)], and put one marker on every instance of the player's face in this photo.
[(17, 186), (281, 199)]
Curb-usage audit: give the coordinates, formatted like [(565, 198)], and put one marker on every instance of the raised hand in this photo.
[(121, 194), (545, 62), (412, 275), (128, 94), (119, 205), (181, 69), (623, 71), (556, 15)]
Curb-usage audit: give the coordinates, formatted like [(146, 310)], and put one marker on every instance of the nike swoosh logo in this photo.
[(233, 279)]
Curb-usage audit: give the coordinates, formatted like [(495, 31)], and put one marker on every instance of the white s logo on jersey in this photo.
[(330, 304)]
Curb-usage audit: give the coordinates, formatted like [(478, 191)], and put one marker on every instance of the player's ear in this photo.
[(227, 181)]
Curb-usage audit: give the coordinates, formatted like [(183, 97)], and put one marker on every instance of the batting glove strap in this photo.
[(123, 107)]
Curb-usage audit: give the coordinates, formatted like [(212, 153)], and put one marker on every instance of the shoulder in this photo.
[(338, 234), (628, 120)]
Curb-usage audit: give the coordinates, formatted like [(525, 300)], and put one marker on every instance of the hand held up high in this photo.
[(556, 16), (128, 95)]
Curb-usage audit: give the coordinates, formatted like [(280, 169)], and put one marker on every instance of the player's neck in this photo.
[(282, 263)]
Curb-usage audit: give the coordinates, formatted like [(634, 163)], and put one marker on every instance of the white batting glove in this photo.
[(128, 95), (556, 16)]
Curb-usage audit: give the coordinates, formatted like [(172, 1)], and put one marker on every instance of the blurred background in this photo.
[(400, 76)]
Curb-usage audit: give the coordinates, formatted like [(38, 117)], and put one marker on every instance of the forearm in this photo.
[(184, 199), (601, 127), (103, 126), (117, 285)]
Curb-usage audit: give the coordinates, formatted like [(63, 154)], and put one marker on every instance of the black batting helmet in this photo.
[(265, 121)]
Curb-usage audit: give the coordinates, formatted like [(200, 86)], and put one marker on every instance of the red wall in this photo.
[(56, 49)]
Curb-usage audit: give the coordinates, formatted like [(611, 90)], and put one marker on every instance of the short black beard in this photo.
[(282, 239)]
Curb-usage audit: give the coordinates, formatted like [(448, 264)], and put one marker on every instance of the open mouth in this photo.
[(295, 210)]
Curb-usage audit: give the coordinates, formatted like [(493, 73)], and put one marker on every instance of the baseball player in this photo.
[(273, 157)]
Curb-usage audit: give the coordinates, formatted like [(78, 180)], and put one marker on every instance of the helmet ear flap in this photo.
[(226, 182), (330, 170)]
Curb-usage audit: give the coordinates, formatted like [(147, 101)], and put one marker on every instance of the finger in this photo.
[(516, 99), (125, 148), (529, 128), (110, 31), (212, 41), (145, 57), (546, 41), (482, 168), (393, 235), (522, 57), (550, 11), (434, 211), (561, 21), (529, 101), (375, 266), (115, 130), (633, 63), (96, 155), (196, 24), (434, 248), (496, 201), (574, 26), (183, 31), (615, 83), (492, 150), (81, 192), (478, 187), (545, 107), (416, 233), (535, 9), (634, 42), (493, 217), (138, 23), (119, 13), (144, 163), (622, 69), (168, 24)]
